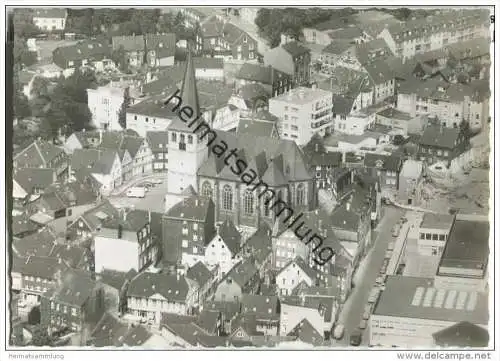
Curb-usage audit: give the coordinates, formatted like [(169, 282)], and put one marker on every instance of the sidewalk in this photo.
[(130, 183)]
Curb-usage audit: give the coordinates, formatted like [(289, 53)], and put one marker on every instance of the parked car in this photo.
[(367, 312), (157, 181), (391, 245), (146, 185), (383, 268), (380, 280), (338, 332), (395, 230), (356, 338), (136, 192), (388, 254), (363, 324), (374, 295)]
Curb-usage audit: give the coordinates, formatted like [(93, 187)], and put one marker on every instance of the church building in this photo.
[(278, 163)]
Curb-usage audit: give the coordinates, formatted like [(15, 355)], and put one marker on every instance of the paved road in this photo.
[(366, 275)]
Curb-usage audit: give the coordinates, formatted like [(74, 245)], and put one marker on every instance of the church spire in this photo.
[(189, 92)]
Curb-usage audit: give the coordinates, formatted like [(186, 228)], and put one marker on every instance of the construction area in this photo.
[(466, 191)]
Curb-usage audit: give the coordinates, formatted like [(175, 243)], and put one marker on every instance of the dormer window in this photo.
[(174, 137)]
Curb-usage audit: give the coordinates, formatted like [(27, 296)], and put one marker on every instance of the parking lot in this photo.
[(154, 199)]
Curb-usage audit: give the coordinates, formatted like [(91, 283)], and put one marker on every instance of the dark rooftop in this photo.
[(467, 246)]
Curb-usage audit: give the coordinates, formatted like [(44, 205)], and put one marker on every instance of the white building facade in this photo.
[(105, 104), (302, 113)]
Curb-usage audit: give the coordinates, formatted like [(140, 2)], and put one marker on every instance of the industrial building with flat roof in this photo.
[(411, 309)]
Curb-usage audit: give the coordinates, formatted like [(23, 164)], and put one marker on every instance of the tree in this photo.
[(68, 110), (21, 106), (119, 56), (23, 23), (398, 140), (22, 55), (122, 115), (40, 337)]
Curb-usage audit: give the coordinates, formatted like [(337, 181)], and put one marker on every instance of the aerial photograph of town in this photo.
[(250, 178)]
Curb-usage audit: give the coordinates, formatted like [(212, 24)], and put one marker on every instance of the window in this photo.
[(174, 137), (300, 195), (190, 139), (248, 202), (227, 198), (428, 236), (441, 237), (434, 237), (206, 189), (195, 226), (184, 243), (195, 250)]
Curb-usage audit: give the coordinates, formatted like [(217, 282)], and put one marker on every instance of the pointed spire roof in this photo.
[(189, 91), (188, 95)]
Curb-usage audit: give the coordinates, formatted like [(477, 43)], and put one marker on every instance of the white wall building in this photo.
[(105, 104), (50, 18), (292, 274), (303, 112), (435, 32), (411, 309), (433, 233), (218, 253), (107, 244), (108, 172)]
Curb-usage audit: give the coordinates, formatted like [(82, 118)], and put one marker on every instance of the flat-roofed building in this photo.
[(411, 309), (464, 263), (303, 112), (433, 233)]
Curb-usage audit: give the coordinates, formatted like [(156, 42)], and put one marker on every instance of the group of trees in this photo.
[(111, 22), (67, 110)]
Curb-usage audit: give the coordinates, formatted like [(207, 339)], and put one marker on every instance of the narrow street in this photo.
[(365, 277)]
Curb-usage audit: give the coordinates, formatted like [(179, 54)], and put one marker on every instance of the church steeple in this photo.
[(189, 91)]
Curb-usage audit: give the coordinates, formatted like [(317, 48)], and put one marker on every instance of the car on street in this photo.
[(136, 192), (391, 245), (383, 268), (338, 332), (157, 181), (388, 254), (356, 338), (363, 324), (395, 230), (146, 185), (380, 280), (367, 312), (375, 292)]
